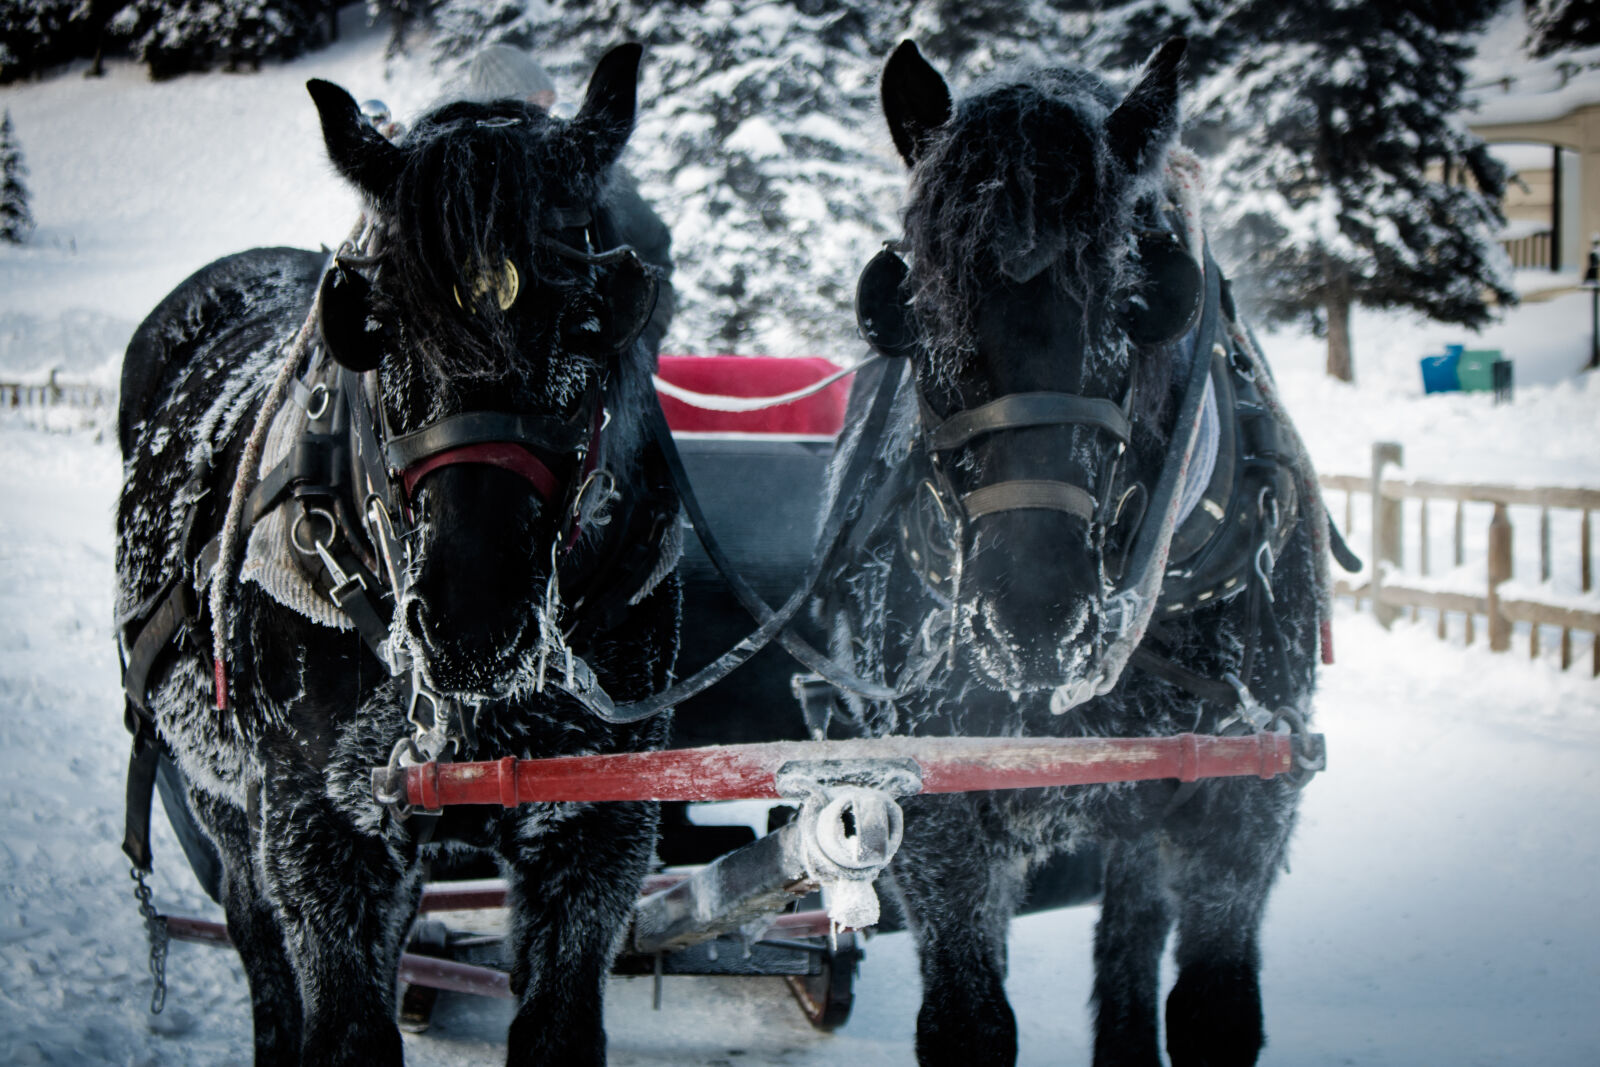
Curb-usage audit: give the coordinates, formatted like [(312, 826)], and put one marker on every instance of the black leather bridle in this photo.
[(1192, 299)]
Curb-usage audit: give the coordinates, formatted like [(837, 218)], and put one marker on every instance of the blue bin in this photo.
[(1440, 374)]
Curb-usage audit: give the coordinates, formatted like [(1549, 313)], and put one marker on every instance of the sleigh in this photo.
[(755, 436)]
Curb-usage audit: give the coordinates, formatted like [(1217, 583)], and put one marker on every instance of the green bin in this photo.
[(1476, 369)]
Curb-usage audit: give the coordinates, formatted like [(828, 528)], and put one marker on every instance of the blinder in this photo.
[(627, 286), (882, 315), (346, 297), (629, 290), (1167, 305)]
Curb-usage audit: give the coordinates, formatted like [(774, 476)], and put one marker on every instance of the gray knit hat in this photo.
[(501, 71)]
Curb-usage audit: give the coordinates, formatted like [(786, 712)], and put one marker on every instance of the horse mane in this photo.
[(1021, 172), (476, 187)]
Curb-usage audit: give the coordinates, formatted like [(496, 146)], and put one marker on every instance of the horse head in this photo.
[(499, 331), (1040, 306)]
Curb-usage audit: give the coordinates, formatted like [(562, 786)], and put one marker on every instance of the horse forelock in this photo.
[(1022, 171), (477, 183)]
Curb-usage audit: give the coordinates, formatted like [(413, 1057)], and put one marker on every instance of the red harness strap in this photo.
[(501, 454)]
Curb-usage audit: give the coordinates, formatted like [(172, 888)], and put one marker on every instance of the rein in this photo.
[(579, 680)]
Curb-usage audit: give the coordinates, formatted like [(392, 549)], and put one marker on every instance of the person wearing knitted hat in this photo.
[(501, 71)]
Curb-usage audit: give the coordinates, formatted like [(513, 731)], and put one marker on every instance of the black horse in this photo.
[(1046, 550), (455, 489)]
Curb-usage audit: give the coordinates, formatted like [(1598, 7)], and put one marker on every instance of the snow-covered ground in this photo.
[(1440, 907)]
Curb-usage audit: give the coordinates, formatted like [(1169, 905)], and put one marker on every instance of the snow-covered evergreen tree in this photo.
[(1350, 176), (1557, 25), (759, 143), (35, 34), (761, 140), (16, 220), (175, 36), (1121, 34), (461, 27)]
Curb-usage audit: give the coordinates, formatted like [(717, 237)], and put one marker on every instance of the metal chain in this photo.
[(156, 929)]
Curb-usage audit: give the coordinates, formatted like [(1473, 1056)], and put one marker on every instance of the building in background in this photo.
[(1541, 118)]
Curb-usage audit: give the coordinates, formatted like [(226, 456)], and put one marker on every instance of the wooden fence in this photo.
[(52, 392), (1390, 593)]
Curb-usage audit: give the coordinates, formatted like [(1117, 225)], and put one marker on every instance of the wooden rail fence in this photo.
[(1387, 589), (52, 392)]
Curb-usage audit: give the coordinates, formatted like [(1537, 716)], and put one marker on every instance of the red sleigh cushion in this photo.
[(816, 417)]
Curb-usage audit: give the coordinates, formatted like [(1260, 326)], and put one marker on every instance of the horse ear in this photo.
[(361, 153), (609, 105), (1147, 118), (916, 100)]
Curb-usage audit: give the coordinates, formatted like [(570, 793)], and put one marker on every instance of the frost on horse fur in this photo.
[(320, 882), (1052, 360)]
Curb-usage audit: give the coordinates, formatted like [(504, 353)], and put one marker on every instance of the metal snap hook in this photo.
[(599, 474), (1264, 563), (1267, 506)]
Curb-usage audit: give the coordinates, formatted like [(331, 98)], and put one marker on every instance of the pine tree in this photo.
[(15, 218), (461, 27), (1350, 176), (761, 139), (35, 34), (759, 142), (177, 36), (1557, 25)]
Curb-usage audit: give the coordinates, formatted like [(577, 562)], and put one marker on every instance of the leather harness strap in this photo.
[(503, 454), (558, 436), (1030, 494), (1017, 411), (771, 625)]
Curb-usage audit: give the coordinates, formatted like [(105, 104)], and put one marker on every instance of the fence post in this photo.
[(1585, 561), (1388, 517), (1499, 571)]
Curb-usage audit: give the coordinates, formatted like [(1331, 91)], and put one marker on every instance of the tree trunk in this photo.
[(1336, 301)]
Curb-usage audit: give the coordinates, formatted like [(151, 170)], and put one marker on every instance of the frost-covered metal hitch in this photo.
[(847, 830), (850, 827)]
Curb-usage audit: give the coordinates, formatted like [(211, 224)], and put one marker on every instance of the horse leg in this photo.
[(256, 933), (958, 897), (575, 873), (345, 895), (1221, 881), (1128, 940)]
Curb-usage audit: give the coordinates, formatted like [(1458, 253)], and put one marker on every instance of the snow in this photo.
[(1440, 903)]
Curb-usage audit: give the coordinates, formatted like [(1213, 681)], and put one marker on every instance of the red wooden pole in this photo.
[(746, 772), (473, 894)]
